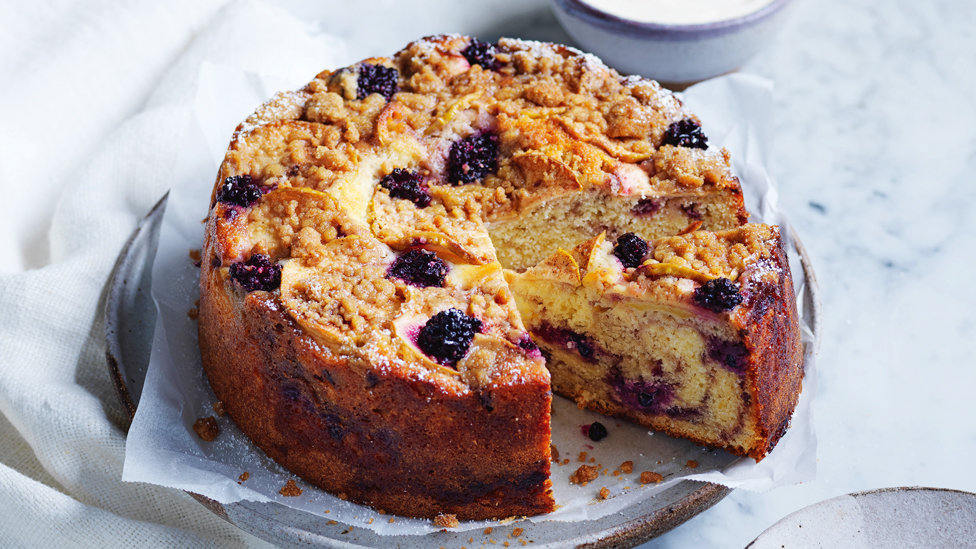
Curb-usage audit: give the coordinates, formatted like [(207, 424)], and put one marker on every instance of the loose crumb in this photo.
[(554, 452), (245, 475), (592, 460), (487, 530), (584, 474), (648, 477), (290, 489), (370, 521), (604, 493), (582, 457), (193, 314), (692, 464), (627, 467), (505, 544), (381, 511), (195, 256), (219, 409), (517, 532), (566, 461), (446, 521), (616, 473), (327, 511), (392, 520), (207, 428), (332, 522)]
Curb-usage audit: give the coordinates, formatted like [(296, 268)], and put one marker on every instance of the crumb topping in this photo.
[(512, 124)]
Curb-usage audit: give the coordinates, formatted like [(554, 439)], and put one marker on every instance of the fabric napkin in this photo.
[(94, 99)]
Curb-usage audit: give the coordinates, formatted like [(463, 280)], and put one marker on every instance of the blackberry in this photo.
[(376, 79), (240, 190), (419, 268), (718, 295), (481, 53), (630, 250), (257, 273), (408, 186), (645, 399), (447, 336), (597, 432), (472, 158), (685, 133), (731, 354), (527, 344), (647, 207)]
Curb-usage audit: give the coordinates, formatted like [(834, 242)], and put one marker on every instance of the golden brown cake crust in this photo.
[(771, 330)]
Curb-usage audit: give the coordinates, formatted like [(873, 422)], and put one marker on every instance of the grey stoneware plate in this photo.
[(130, 318), (888, 517)]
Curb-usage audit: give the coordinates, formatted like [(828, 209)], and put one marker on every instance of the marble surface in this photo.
[(875, 156)]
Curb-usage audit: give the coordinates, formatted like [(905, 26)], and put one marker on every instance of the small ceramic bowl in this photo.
[(671, 53)]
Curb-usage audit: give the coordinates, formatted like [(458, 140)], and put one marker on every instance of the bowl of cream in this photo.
[(678, 42)]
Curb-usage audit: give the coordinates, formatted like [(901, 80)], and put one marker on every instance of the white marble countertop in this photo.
[(875, 158)]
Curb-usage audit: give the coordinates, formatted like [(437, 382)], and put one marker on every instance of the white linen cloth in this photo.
[(94, 98)]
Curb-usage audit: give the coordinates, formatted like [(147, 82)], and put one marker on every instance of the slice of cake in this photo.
[(694, 335)]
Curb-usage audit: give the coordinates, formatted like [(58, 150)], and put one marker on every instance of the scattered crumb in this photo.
[(381, 511), (592, 460), (370, 521), (245, 475), (616, 473), (565, 461), (692, 464), (219, 409), (193, 314), (604, 493), (207, 428), (487, 530), (627, 467), (582, 457), (554, 452), (446, 521), (290, 489), (327, 511), (332, 522), (196, 257), (391, 520), (517, 532), (471, 540), (343, 496), (584, 474), (648, 477), (505, 544)]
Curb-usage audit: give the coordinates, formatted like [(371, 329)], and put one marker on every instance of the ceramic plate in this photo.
[(130, 317), (889, 517)]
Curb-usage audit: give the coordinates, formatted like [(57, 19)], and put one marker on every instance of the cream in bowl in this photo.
[(673, 41)]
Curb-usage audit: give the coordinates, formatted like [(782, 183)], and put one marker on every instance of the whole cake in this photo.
[(356, 314)]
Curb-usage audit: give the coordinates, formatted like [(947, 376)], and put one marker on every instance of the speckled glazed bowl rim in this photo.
[(666, 32)]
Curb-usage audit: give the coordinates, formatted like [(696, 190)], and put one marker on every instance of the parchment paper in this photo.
[(163, 449)]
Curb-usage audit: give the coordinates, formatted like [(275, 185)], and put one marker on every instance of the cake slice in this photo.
[(694, 335)]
